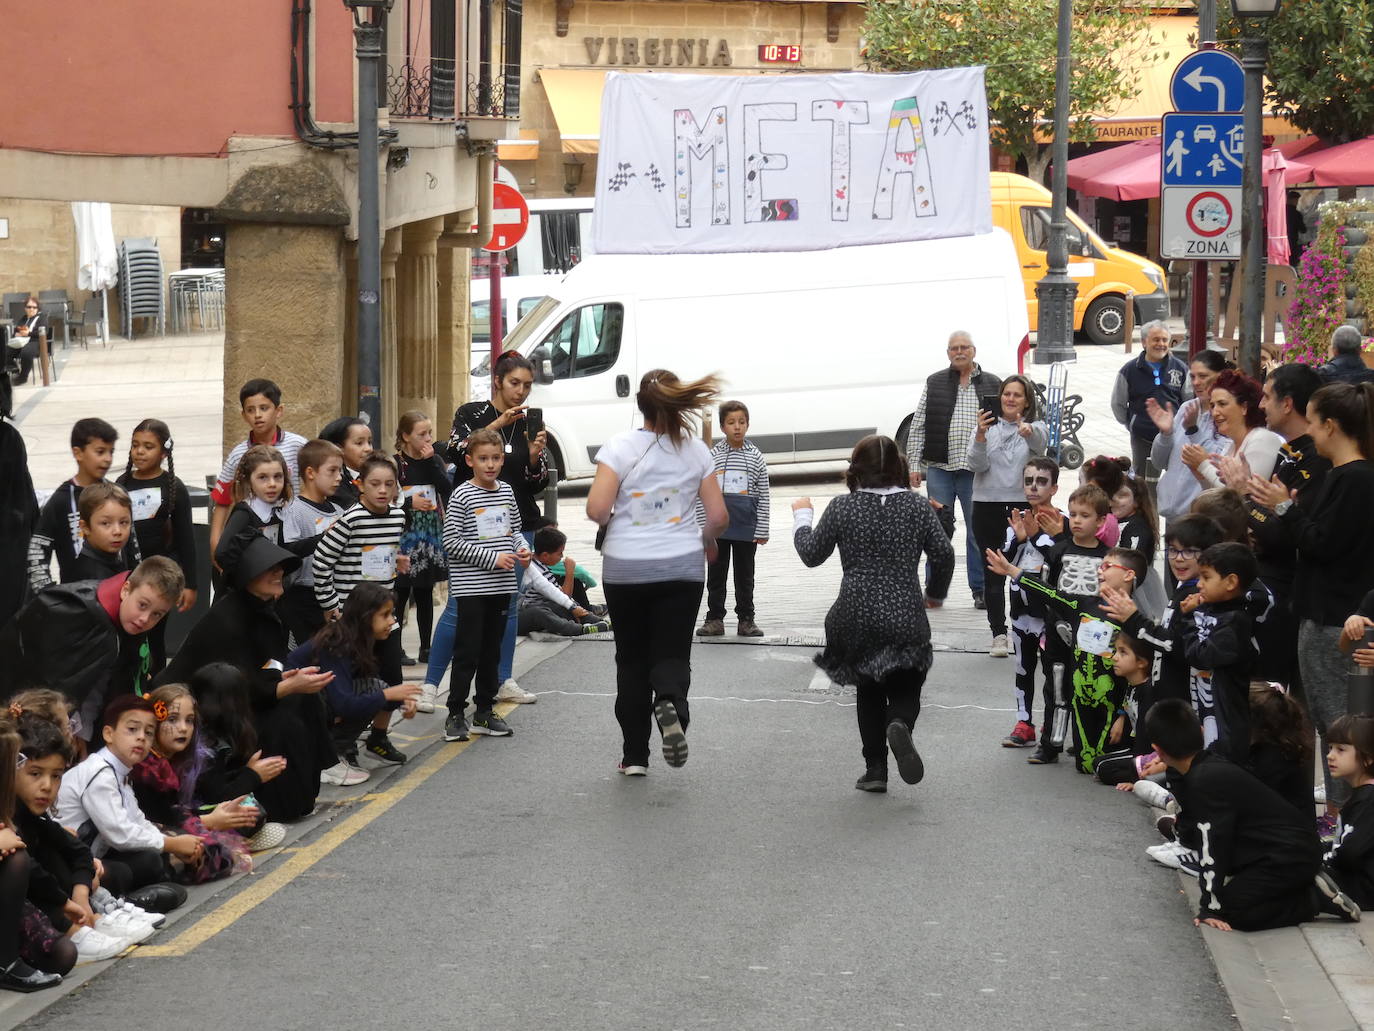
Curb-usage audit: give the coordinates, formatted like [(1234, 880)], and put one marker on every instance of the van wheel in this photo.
[(903, 432), (556, 460), (1105, 319)]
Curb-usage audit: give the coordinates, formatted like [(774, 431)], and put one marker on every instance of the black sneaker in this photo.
[(978, 602), (1335, 901), (1043, 756), (455, 727), (409, 660), (909, 765), (874, 780), (674, 737), (490, 724), (423, 656), (378, 743)]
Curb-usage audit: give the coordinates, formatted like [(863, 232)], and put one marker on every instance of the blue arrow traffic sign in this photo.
[(1201, 150), (1208, 80)]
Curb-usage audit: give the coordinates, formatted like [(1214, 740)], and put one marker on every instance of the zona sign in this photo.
[(1209, 214)]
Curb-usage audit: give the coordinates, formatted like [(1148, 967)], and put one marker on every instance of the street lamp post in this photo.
[(368, 34), (1056, 291), (1254, 53)]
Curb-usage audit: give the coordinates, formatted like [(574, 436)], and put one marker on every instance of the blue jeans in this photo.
[(441, 647), (945, 486)]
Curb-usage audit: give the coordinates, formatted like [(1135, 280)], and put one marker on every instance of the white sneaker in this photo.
[(999, 647), (425, 703), (1169, 853), (1152, 794), (344, 775), (92, 946), (144, 916), (271, 835), (510, 692), (123, 924)]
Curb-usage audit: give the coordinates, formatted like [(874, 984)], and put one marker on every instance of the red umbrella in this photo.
[(1341, 164), (1131, 171)]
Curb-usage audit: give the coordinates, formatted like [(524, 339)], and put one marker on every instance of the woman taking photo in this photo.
[(876, 634), (526, 469), (654, 558), (997, 455), (1191, 424), (1234, 402), (1335, 542)]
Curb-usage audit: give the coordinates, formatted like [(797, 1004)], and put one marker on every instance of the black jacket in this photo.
[(941, 389), (1218, 640), (1139, 383), (243, 631), (1299, 469), (1335, 542), (1234, 822), (52, 847), (18, 516), (1351, 858), (1172, 674), (1346, 368)]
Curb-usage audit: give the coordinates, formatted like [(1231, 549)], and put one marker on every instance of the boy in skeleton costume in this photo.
[(1218, 639), (1186, 540), (1025, 547), (1259, 858), (1080, 637)]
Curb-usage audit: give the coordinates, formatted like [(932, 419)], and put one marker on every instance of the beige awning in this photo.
[(526, 148), (575, 96)]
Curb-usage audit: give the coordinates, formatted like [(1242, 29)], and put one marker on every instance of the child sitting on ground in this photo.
[(1025, 547), (1259, 864), (233, 764), (164, 785), (1217, 639), (1350, 861), (546, 603), (350, 647), (97, 799), (108, 546), (1281, 744)]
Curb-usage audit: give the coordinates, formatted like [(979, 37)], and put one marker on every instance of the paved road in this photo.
[(523, 884)]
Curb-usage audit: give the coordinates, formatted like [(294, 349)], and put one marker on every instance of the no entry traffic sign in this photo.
[(510, 218), (1199, 223)]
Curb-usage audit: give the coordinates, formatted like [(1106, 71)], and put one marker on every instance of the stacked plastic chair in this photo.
[(140, 285)]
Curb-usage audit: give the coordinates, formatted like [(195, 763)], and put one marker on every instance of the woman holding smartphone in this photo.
[(526, 469), (997, 454)]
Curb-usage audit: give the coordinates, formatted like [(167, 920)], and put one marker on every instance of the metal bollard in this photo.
[(1359, 684), (551, 495)]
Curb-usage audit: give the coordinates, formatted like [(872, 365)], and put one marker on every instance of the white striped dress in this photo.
[(361, 545)]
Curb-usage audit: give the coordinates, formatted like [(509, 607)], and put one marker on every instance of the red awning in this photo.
[(1341, 164), (1131, 171)]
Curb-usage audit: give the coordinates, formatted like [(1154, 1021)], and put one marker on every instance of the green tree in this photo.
[(1320, 71), (1017, 40)]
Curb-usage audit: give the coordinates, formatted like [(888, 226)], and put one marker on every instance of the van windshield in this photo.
[(517, 337)]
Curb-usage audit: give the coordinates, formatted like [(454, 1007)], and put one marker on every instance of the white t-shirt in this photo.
[(658, 491)]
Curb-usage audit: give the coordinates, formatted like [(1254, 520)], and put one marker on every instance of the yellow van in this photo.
[(1021, 206)]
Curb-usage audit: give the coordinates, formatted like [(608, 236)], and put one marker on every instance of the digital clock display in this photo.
[(780, 53)]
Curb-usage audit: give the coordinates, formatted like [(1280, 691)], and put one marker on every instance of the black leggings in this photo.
[(125, 871), (653, 648), (896, 696), (423, 594), (14, 891), (990, 531)]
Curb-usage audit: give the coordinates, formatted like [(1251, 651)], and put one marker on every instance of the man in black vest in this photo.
[(1346, 365), (937, 445), (1154, 373)]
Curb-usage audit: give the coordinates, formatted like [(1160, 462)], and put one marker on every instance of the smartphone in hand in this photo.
[(991, 404), (534, 422)]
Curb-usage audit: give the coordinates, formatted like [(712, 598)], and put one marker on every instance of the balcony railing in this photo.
[(459, 59)]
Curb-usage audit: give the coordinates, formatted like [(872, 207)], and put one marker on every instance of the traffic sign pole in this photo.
[(510, 220), (1199, 326)]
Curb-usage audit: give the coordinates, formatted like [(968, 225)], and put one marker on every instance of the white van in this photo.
[(823, 346), (519, 294)]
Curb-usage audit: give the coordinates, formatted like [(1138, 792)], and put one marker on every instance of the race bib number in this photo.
[(379, 562), (655, 507), (735, 481), (145, 502), (423, 490), (493, 523), (1095, 636), (324, 522)]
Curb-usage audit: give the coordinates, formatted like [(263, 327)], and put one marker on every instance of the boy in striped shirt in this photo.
[(365, 544), (743, 476), (484, 545)]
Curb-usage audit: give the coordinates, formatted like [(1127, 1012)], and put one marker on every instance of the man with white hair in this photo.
[(937, 444), (1154, 373), (1346, 365)]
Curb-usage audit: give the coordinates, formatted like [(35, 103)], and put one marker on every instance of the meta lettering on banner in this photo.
[(709, 164)]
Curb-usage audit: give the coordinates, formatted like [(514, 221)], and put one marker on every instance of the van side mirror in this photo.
[(543, 365)]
